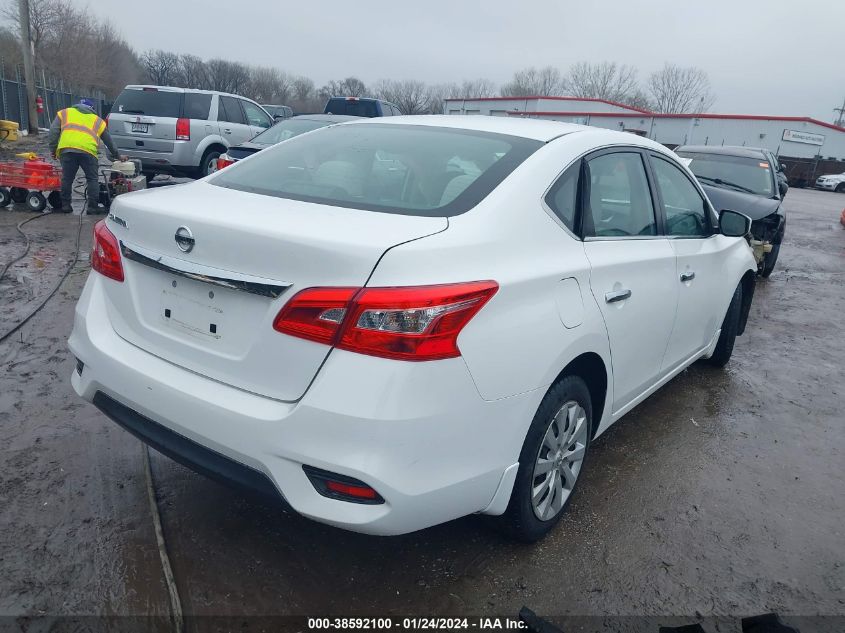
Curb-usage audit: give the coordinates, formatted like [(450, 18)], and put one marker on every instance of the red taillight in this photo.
[(315, 313), (358, 492), (183, 129), (407, 323), (105, 255), (224, 161)]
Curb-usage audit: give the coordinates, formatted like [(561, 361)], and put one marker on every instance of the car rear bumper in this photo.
[(418, 433), (179, 158)]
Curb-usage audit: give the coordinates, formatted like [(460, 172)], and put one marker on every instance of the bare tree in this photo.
[(304, 97), (531, 82), (680, 89), (606, 80), (192, 72), (161, 67), (227, 76), (268, 85), (349, 87), (410, 95)]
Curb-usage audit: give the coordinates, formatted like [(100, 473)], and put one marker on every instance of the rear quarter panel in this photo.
[(518, 342)]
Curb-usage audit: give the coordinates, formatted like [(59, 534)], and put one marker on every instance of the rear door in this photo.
[(232, 121), (144, 119), (632, 268), (699, 249)]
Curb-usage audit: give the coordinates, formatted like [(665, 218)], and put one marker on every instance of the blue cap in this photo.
[(87, 102)]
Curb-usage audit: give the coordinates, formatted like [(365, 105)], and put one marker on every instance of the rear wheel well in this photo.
[(748, 282), (214, 147), (592, 370)]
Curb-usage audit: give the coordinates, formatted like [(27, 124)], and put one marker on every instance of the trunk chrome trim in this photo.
[(215, 276)]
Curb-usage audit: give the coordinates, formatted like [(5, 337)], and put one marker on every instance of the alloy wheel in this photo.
[(559, 460)]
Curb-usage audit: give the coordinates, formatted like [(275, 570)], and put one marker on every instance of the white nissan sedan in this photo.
[(392, 324)]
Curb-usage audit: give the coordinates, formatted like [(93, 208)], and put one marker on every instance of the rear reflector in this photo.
[(105, 254), (183, 129), (416, 323), (341, 487)]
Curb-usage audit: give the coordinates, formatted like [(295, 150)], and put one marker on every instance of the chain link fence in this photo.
[(55, 95)]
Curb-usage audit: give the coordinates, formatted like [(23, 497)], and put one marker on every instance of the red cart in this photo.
[(26, 181)]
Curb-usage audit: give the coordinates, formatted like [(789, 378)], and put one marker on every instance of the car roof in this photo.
[(724, 150), (537, 129), (323, 117), (192, 90)]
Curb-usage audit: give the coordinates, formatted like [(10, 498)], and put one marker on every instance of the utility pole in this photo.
[(28, 65), (841, 112)]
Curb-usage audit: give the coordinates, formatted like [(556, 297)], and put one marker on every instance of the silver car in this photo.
[(181, 130)]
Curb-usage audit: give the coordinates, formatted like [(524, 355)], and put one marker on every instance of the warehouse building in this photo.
[(804, 139)]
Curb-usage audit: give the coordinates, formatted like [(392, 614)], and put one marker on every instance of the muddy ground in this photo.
[(721, 495)]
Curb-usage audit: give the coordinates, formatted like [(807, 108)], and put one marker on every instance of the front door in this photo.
[(633, 270), (233, 124), (700, 251)]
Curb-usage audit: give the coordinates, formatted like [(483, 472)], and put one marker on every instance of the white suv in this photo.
[(393, 324), (832, 182)]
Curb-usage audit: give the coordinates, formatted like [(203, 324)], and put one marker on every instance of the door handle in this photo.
[(617, 295), (227, 130), (687, 276)]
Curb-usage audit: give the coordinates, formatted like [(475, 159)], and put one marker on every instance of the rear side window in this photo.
[(352, 107), (149, 102), (403, 169), (230, 110), (618, 198), (563, 196), (197, 106)]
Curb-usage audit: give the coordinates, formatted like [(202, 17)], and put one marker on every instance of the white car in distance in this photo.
[(391, 324)]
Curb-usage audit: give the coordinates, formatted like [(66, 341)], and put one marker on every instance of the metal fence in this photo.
[(13, 99)]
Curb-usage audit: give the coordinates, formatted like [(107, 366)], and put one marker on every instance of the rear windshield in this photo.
[(284, 130), (151, 102), (737, 173), (403, 169), (352, 107)]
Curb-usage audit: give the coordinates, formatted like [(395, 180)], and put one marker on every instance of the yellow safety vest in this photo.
[(80, 130)]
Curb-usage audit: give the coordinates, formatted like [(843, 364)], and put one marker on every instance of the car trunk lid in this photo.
[(210, 307)]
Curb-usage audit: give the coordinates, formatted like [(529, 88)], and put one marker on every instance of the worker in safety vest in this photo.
[(73, 139)]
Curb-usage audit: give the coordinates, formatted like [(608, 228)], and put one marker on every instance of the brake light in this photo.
[(341, 487), (224, 161), (183, 129), (105, 255), (415, 323)]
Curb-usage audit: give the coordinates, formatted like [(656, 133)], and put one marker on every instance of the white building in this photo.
[(787, 136)]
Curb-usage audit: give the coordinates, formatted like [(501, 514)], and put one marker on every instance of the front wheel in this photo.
[(840, 188), (5, 197), (770, 261), (551, 461), (730, 327)]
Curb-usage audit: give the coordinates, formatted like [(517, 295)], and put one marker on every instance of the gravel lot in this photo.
[(721, 495)]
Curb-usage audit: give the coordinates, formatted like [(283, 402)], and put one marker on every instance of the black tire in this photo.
[(54, 199), (35, 201), (18, 194), (840, 188), (770, 261), (730, 327), (520, 520), (208, 164), (5, 197), (149, 175)]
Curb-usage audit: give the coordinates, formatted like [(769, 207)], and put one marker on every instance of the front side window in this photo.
[(255, 115), (405, 169), (684, 208), (618, 199)]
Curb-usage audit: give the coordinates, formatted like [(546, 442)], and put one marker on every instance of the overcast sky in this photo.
[(763, 57)]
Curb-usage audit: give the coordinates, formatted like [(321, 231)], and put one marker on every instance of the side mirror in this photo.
[(782, 167), (783, 187), (733, 224), (278, 117)]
